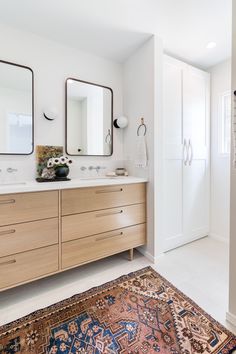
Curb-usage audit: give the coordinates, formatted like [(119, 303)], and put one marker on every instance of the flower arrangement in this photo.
[(62, 161)]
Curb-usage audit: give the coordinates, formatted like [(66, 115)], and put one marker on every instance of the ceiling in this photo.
[(115, 28)]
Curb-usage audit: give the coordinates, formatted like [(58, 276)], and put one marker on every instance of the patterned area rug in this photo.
[(137, 313)]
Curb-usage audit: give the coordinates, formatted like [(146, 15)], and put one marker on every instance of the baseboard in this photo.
[(219, 238), (148, 255), (231, 318)]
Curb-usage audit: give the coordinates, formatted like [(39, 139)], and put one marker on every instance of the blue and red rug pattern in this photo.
[(139, 313)]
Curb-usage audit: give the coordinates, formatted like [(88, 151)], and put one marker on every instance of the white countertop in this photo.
[(34, 186)]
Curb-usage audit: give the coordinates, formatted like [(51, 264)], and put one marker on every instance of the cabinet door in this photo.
[(196, 173), (172, 223)]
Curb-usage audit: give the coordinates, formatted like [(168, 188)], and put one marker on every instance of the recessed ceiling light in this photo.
[(211, 45)]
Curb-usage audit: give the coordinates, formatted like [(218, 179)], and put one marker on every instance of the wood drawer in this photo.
[(28, 265), (28, 236), (96, 198), (95, 247), (23, 207), (87, 224)]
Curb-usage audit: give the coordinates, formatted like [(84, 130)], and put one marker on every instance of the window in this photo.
[(225, 123)]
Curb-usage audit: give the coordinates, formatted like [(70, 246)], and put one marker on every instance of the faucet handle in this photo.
[(10, 170)]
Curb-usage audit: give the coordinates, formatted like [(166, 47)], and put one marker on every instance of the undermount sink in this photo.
[(97, 178), (5, 184)]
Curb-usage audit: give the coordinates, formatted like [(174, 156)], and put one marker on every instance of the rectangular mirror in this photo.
[(89, 119), (16, 109)]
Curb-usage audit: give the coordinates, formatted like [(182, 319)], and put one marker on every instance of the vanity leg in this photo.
[(131, 254)]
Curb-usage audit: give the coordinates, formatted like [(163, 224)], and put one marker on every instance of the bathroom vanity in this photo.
[(46, 229)]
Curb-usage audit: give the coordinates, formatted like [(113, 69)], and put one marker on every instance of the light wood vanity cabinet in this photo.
[(23, 207), (103, 221), (96, 198), (29, 237), (25, 266), (43, 233), (96, 222), (91, 248)]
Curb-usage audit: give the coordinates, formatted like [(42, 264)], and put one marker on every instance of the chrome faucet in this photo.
[(11, 170), (97, 168)]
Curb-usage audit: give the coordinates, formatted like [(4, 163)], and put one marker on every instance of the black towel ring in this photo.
[(140, 126)]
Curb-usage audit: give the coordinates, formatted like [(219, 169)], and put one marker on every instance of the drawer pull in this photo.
[(109, 191), (12, 261), (109, 236), (10, 201), (109, 213), (7, 232)]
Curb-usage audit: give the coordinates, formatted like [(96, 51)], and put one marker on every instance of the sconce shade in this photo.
[(121, 122), (50, 113)]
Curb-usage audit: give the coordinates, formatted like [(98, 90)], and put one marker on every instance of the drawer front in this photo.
[(95, 247), (86, 224), (28, 236), (28, 265), (89, 199), (23, 207)]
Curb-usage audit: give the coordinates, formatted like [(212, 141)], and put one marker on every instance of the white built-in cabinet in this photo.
[(185, 153)]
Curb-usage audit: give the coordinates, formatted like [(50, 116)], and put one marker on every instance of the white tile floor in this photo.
[(199, 269)]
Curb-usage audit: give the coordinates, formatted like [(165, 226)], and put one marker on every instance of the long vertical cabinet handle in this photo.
[(234, 129), (190, 148), (185, 153)]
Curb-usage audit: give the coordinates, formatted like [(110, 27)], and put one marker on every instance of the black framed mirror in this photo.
[(89, 118), (16, 109)]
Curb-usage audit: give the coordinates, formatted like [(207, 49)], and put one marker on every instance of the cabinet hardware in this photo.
[(109, 190), (191, 152), (108, 236), (7, 232), (10, 201), (109, 213), (185, 152), (10, 170), (8, 262)]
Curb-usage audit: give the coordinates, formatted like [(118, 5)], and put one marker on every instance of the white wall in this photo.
[(220, 164), (140, 77), (52, 63), (141, 99), (232, 273)]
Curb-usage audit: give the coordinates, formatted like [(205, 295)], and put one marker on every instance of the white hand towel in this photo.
[(141, 152), (107, 149)]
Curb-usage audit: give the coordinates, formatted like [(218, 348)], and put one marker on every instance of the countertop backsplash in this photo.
[(23, 168)]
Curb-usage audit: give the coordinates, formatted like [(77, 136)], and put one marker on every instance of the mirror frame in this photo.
[(32, 73), (89, 83)]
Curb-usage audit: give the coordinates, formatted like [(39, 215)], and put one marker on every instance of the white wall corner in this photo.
[(146, 254), (231, 318), (219, 238), (140, 87), (149, 256)]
